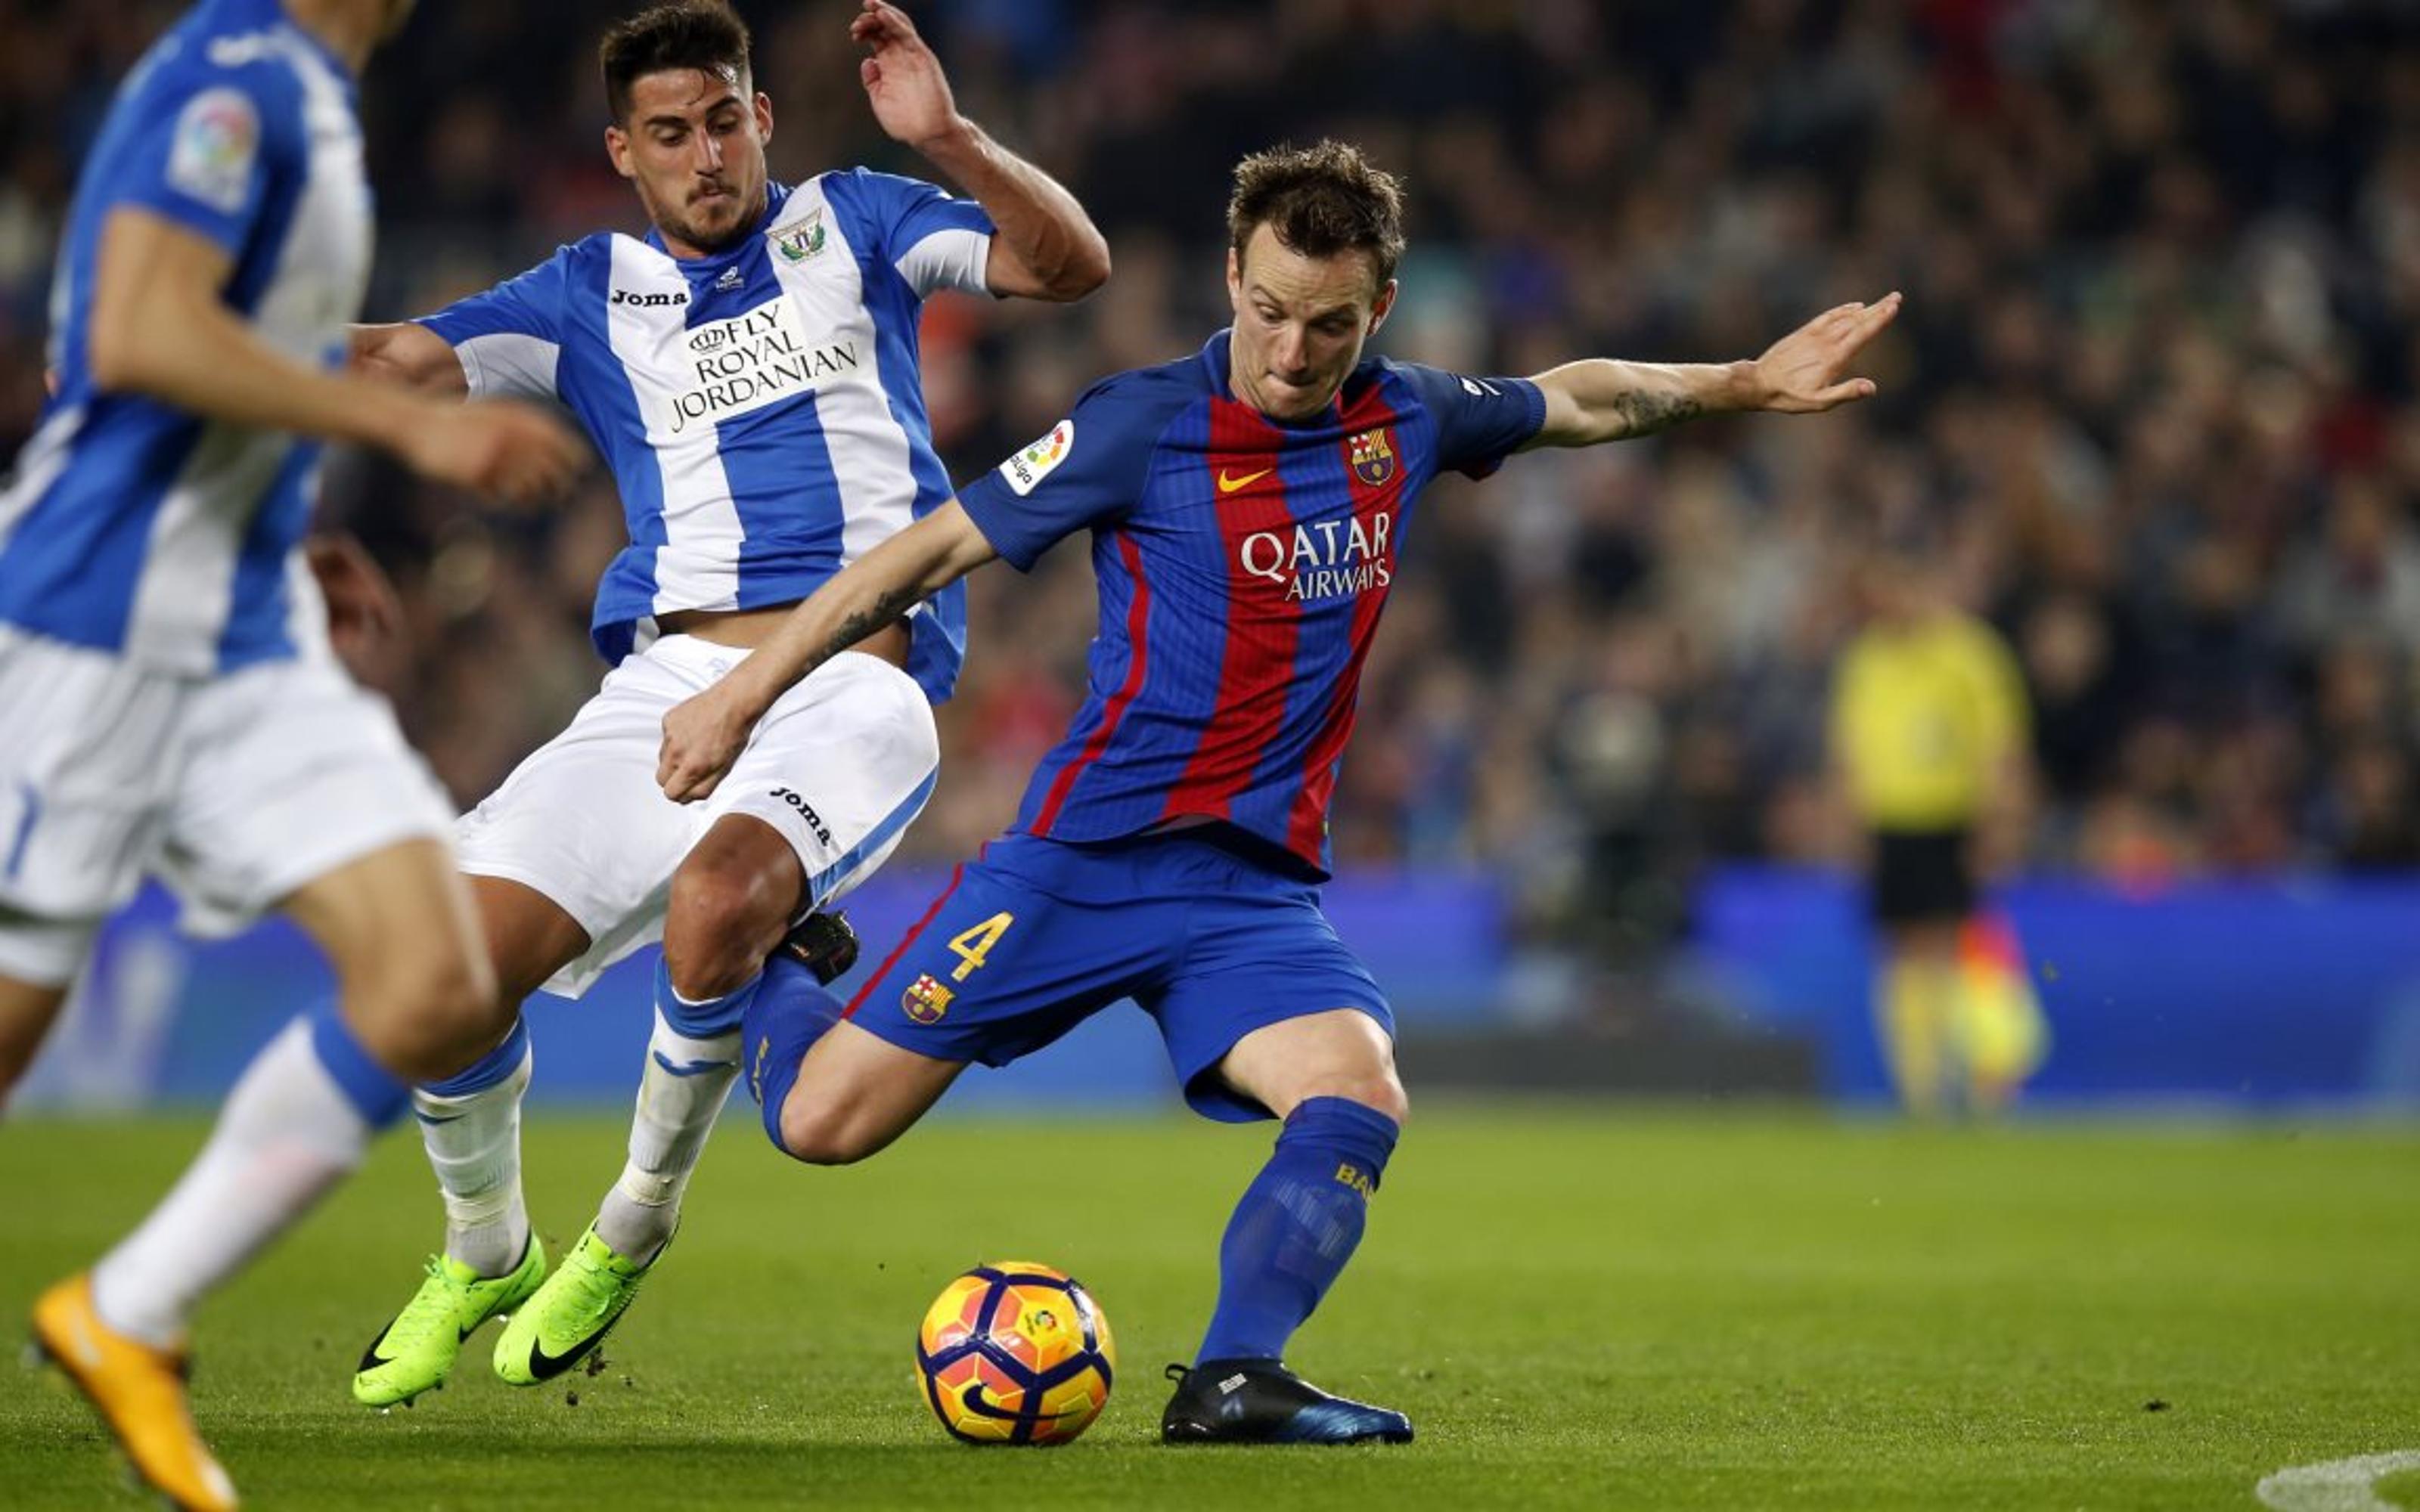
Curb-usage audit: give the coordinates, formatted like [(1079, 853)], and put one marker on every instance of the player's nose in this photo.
[(1289, 352)]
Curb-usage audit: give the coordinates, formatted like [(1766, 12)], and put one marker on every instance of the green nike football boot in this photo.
[(417, 1351), (572, 1313)]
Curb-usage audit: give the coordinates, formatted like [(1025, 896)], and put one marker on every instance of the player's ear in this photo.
[(1234, 279), (617, 149), (764, 117), (1385, 303)]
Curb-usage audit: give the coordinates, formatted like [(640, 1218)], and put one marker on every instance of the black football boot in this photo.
[(1260, 1401), (824, 944)]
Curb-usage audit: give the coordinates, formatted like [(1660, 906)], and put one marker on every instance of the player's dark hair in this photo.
[(685, 33), (1320, 201)]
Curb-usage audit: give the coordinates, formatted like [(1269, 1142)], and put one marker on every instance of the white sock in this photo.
[(676, 1111), (474, 1146), (286, 1135)]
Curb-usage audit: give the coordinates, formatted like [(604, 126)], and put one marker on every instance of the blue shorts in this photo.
[(1037, 935)]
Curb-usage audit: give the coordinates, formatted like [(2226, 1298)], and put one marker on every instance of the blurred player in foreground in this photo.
[(1929, 739), (749, 371), (1246, 506), (171, 704)]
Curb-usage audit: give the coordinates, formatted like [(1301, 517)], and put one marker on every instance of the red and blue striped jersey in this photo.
[(1242, 562)]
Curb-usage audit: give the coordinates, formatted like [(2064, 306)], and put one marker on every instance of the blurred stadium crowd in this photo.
[(2153, 406)]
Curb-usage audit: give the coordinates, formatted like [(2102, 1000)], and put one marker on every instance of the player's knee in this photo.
[(1380, 1094), (429, 1013), (464, 1016), (721, 923), (1375, 1088), (840, 1119), (825, 1134)]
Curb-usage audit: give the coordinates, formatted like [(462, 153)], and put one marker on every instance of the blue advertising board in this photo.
[(161, 1019), (2259, 995), (2268, 993)]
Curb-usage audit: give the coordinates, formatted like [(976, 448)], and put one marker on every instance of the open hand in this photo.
[(903, 80), (1800, 373)]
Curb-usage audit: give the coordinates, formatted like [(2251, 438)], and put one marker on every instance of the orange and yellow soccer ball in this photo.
[(1013, 1353)]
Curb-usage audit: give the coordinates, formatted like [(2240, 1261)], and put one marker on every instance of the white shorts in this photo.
[(839, 766), (233, 790)]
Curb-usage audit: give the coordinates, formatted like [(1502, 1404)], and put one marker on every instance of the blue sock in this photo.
[(377, 1093), (489, 1069), (1297, 1224), (705, 1019), (790, 1011)]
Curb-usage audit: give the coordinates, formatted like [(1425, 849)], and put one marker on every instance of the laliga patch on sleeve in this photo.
[(217, 136), (1033, 464)]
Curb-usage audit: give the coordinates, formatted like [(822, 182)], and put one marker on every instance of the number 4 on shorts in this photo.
[(973, 946)]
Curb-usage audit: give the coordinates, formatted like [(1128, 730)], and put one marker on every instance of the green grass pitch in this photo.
[(1578, 1308)]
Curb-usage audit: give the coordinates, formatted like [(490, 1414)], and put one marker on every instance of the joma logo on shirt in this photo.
[(648, 301), (750, 360), (1323, 559)]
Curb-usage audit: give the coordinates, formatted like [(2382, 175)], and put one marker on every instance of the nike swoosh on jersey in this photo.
[(1228, 484)]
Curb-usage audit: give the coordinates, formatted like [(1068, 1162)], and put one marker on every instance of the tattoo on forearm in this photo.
[(1644, 413), (887, 608)]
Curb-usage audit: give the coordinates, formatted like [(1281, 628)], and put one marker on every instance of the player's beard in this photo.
[(699, 233)]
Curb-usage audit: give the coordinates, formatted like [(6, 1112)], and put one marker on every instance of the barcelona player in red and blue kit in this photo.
[(1247, 507)]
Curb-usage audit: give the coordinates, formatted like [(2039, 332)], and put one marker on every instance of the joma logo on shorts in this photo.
[(623, 296), (806, 811)]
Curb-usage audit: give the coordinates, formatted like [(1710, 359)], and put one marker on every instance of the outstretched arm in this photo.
[(705, 734), (1602, 400), (1045, 246), (159, 328)]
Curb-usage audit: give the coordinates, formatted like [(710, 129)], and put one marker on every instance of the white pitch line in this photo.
[(2337, 1485)]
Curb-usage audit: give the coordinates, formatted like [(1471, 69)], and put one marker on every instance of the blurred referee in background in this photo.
[(1930, 738)]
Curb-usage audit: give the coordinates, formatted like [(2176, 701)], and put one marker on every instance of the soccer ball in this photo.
[(1013, 1353)]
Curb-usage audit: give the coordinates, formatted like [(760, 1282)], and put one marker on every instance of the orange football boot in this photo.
[(139, 1392)]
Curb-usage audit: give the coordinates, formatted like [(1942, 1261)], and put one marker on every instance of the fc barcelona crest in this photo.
[(797, 244), (925, 1000), (1374, 461)]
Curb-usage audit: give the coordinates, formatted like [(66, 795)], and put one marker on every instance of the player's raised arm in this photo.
[(705, 734), (1045, 246), (1604, 400), (159, 328)]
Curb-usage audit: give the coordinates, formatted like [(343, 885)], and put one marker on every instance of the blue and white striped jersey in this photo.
[(138, 528), (761, 409)]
